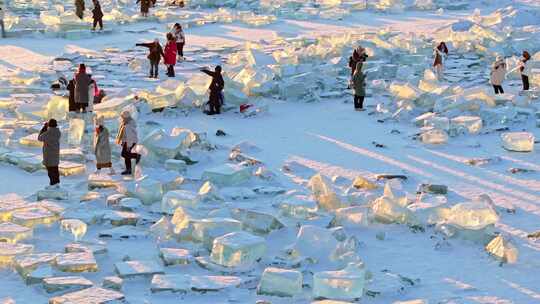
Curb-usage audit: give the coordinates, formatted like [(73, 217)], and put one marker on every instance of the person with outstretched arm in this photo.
[(154, 56), (216, 90)]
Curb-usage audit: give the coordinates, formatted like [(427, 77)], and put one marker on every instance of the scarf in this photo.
[(121, 132)]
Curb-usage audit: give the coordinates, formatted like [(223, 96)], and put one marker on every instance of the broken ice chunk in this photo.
[(70, 283), (208, 229), (12, 233), (37, 276), (129, 204), (186, 282), (391, 209), (434, 137), (120, 218), (28, 263), (103, 180), (209, 192), (227, 175), (238, 249), (93, 247), (280, 282), (112, 282), (53, 194), (346, 284), (315, 243), (137, 269), (362, 183), (31, 141), (147, 189), (353, 217), (76, 227), (76, 131), (298, 206), (178, 198), (471, 124), (175, 165), (175, 256), (68, 168), (472, 215), (325, 196), (404, 91), (518, 141), (255, 221), (9, 251), (32, 217), (77, 262), (93, 295), (503, 250)]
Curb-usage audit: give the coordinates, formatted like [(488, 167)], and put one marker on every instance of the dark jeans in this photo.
[(180, 48), (128, 155), (170, 70), (498, 89), (54, 175), (525, 80), (358, 102), (154, 67), (96, 22)]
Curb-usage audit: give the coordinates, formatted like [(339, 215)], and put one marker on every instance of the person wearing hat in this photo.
[(154, 56), (102, 148), (216, 90), (127, 137), (50, 137), (498, 72)]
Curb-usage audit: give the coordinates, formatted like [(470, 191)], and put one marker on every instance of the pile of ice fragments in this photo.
[(57, 18)]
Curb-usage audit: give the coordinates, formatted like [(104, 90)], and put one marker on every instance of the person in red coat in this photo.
[(170, 54)]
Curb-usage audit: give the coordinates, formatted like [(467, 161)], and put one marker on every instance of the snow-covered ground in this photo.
[(296, 140)]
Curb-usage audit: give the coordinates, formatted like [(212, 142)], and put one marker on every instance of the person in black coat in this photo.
[(216, 90), (155, 54), (97, 15), (71, 97)]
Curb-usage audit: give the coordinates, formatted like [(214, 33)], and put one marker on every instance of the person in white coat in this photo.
[(127, 137), (525, 69), (180, 37), (498, 73)]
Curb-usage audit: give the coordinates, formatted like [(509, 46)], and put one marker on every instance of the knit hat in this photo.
[(99, 120), (125, 114)]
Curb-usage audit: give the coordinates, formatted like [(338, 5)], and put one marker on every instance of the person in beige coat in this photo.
[(102, 147), (498, 73), (50, 137), (127, 137)]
